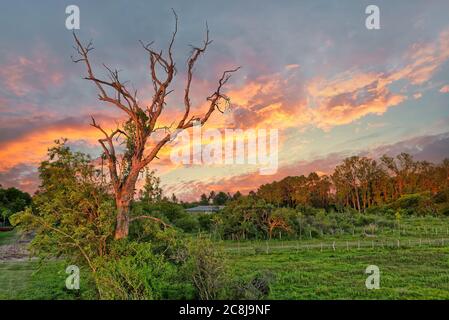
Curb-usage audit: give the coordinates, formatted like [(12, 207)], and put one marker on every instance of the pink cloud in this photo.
[(431, 148), (22, 75)]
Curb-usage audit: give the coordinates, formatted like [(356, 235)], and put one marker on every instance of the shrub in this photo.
[(441, 196), (188, 223), (257, 287), (207, 269), (444, 210), (133, 271), (416, 203), (206, 221), (169, 210)]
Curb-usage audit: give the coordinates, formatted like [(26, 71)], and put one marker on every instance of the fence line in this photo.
[(398, 231), (340, 245)]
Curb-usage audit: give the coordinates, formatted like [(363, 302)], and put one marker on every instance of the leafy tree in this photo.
[(277, 220), (236, 195), (211, 197), (220, 198), (249, 217), (12, 200), (72, 213), (204, 200), (151, 191)]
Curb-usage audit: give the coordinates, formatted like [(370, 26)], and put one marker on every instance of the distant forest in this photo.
[(359, 183)]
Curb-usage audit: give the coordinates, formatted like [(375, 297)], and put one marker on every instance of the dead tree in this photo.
[(142, 120)]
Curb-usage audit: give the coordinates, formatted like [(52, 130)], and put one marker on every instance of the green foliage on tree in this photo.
[(72, 213), (12, 200), (151, 191), (73, 216)]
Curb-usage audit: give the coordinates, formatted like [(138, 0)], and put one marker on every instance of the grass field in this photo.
[(6, 237), (410, 273), (29, 279), (300, 268), (413, 258)]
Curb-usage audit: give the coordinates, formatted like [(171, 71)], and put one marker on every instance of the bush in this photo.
[(415, 204), (257, 287), (206, 221), (133, 271), (192, 269), (171, 211), (188, 223), (207, 269), (441, 196), (444, 210)]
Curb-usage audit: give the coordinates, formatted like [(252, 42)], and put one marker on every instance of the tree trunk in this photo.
[(122, 226), (123, 201)]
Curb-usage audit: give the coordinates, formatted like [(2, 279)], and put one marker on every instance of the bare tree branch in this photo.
[(166, 225), (142, 122)]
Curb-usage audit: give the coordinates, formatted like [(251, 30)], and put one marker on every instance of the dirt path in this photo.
[(15, 249)]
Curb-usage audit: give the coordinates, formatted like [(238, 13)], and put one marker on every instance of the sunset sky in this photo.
[(310, 69)]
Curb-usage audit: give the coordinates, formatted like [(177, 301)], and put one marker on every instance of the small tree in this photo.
[(12, 200), (204, 200), (142, 121), (72, 213), (151, 191)]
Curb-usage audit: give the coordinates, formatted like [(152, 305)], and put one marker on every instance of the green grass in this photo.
[(405, 273), (303, 271), (410, 272), (7, 237), (30, 280)]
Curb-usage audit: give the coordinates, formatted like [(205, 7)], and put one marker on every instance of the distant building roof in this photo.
[(205, 209)]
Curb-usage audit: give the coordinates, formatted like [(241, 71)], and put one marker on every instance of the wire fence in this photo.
[(365, 231), (270, 246)]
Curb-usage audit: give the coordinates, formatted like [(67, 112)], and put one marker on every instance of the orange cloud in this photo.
[(279, 100), (350, 97), (32, 147), (270, 101), (354, 94)]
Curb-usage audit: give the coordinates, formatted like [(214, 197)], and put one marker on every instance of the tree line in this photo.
[(359, 183), (12, 200)]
